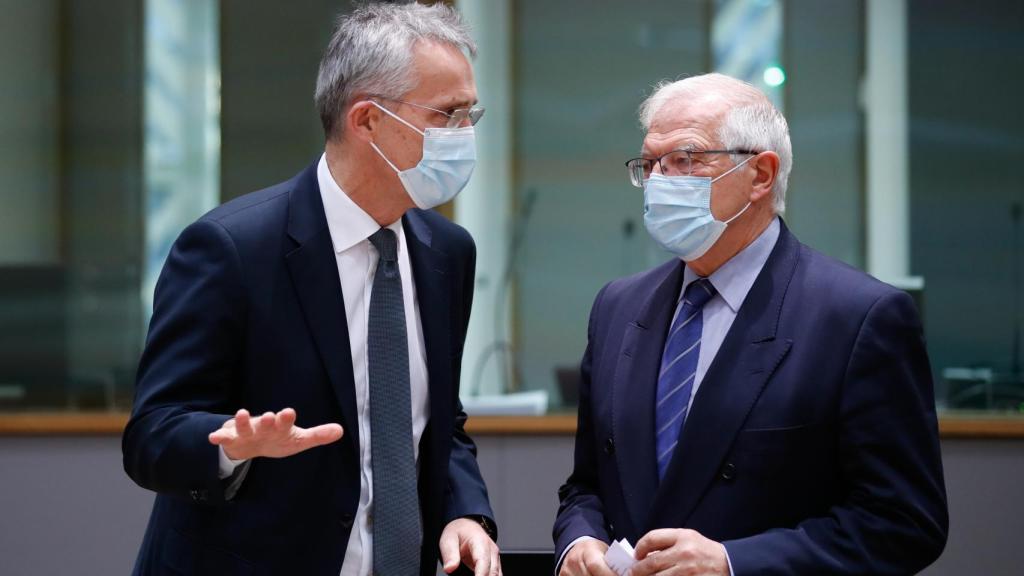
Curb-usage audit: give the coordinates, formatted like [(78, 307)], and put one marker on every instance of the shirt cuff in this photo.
[(558, 565), (226, 466), (728, 561)]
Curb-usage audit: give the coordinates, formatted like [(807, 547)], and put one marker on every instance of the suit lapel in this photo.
[(314, 273), (430, 274), (746, 360), (636, 378)]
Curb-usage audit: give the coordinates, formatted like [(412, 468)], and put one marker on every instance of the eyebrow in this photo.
[(690, 147), (455, 104)]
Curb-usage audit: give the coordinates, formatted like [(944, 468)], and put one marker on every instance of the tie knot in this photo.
[(698, 293), (386, 243)]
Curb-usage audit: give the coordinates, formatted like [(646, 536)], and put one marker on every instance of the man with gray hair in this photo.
[(751, 406), (297, 406)]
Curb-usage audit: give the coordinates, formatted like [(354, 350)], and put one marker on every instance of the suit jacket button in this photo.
[(609, 446), (728, 471)]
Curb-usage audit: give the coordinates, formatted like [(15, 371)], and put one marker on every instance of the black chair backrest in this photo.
[(527, 563)]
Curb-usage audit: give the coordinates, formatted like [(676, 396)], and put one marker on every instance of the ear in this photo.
[(766, 168), (362, 120)]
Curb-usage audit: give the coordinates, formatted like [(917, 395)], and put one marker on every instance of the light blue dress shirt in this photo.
[(733, 281)]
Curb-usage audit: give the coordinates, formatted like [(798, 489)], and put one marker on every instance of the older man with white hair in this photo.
[(332, 308), (751, 406)]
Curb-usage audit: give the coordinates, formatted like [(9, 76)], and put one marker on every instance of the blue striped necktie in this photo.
[(679, 370)]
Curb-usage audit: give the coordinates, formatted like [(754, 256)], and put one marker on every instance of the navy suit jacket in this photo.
[(812, 443), (248, 312)]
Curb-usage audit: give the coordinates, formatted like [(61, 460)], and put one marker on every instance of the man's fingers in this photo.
[(594, 564), (653, 541), (655, 563), (265, 423), (481, 561), (495, 561), (220, 436), (583, 568), (243, 425), (323, 434), (285, 419), (572, 565), (600, 569), (449, 552), (659, 559), (575, 562), (306, 438), (263, 433)]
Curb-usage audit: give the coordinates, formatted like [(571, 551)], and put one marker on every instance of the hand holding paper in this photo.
[(620, 557)]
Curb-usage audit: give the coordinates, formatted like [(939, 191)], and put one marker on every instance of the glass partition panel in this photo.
[(967, 239)]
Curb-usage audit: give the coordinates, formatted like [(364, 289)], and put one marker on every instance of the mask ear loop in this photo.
[(731, 170), (400, 119), (738, 214), (723, 175), (381, 154)]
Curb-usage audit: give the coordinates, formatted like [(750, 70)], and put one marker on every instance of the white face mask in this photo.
[(677, 213), (449, 156)]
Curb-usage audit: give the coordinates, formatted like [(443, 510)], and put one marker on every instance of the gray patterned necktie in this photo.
[(397, 533)]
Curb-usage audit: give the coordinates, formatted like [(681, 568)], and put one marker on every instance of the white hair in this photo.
[(371, 52), (752, 122)]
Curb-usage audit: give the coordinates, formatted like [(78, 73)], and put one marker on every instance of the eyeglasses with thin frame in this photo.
[(455, 118), (678, 162)]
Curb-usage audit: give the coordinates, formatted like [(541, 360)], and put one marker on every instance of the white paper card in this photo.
[(620, 557)]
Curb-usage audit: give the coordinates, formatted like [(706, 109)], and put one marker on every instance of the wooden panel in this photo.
[(112, 423), (981, 427), (552, 425), (67, 424)]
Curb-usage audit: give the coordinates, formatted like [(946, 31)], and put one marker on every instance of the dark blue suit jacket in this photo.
[(248, 312), (812, 444)]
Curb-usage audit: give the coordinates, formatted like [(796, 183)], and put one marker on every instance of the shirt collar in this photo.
[(348, 223), (734, 279)]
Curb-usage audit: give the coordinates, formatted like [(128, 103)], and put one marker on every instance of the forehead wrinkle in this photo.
[(701, 113), (683, 137)]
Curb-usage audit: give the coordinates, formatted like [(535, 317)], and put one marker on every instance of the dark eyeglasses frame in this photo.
[(635, 166)]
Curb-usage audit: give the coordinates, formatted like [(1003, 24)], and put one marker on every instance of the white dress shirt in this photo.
[(350, 229), (356, 258), (733, 281)]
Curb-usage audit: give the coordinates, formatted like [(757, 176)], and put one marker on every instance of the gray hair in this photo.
[(752, 122), (371, 52)]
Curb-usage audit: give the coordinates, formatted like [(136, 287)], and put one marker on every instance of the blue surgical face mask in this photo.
[(677, 213), (449, 156)]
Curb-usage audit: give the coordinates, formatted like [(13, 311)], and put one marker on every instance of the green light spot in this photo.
[(774, 76)]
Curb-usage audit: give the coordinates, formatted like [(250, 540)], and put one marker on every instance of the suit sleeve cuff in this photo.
[(226, 466), (728, 560), (233, 471)]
